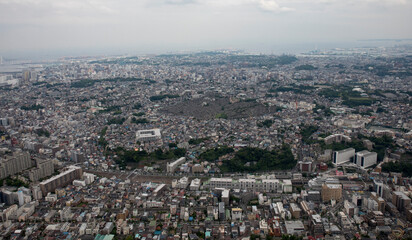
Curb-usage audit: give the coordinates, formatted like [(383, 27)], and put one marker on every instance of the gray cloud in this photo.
[(154, 25)]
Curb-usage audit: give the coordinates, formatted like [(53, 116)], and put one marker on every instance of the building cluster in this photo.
[(363, 159), (326, 207), (131, 146)]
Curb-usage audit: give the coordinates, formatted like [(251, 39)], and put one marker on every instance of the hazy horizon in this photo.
[(41, 28)]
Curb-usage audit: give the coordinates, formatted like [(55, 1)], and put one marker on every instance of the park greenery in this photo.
[(124, 156), (306, 133), (354, 102), (261, 60), (320, 108), (119, 121), (41, 132), (139, 114), (84, 83), (306, 67), (13, 182), (400, 166), (114, 108), (255, 159), (298, 89), (32, 107), (221, 115), (215, 153), (161, 97), (197, 141), (350, 98), (137, 106), (139, 120), (102, 141), (266, 123), (386, 69)]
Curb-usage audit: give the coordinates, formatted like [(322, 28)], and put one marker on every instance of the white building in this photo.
[(225, 196), (20, 197), (89, 178), (171, 167), (220, 183), (343, 156), (148, 135), (79, 183), (195, 184), (337, 138), (294, 227), (8, 80), (159, 189), (250, 184), (365, 158), (182, 183), (287, 186), (236, 214)]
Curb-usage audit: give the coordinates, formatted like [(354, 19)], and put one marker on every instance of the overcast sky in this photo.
[(109, 26)]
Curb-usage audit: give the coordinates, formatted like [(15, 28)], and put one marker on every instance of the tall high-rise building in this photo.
[(401, 201), (20, 197), (44, 168), (16, 163), (365, 158), (26, 75), (61, 180), (37, 194), (331, 192), (343, 156)]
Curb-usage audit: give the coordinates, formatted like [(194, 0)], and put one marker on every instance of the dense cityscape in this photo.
[(208, 145)]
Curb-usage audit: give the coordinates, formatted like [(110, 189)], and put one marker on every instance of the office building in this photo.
[(365, 158), (236, 214), (401, 201), (378, 186), (357, 200), (225, 196), (222, 211), (316, 225), (20, 197), (350, 208), (331, 192), (343, 156), (295, 210)]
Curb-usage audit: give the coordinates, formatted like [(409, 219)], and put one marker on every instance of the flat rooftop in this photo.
[(70, 169), (148, 133), (346, 150)]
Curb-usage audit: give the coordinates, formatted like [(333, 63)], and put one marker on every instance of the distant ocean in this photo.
[(265, 48)]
